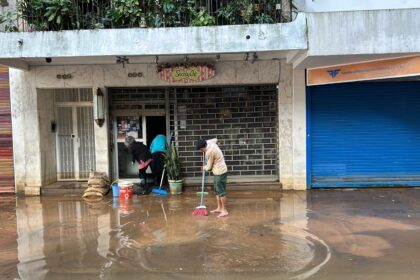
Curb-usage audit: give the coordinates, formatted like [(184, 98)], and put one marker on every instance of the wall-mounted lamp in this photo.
[(98, 107)]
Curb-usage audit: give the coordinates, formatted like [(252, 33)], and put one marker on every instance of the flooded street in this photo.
[(348, 234)]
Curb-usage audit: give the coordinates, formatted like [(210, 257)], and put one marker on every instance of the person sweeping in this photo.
[(215, 163)]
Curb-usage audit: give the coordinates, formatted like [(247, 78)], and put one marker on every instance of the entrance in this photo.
[(243, 118), (139, 113), (75, 134)]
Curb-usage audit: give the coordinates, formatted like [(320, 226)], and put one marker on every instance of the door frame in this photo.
[(131, 113), (76, 139)]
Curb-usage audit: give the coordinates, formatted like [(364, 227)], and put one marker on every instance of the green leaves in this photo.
[(58, 11), (43, 15), (173, 164), (9, 21), (127, 13), (202, 18)]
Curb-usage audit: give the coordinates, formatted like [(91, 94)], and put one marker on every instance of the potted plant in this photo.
[(173, 169)]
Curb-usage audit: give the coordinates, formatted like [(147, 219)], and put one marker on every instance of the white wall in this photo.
[(364, 32), (292, 128), (355, 5), (299, 130), (26, 138), (46, 115)]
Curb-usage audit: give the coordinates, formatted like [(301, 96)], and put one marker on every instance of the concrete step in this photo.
[(72, 188)]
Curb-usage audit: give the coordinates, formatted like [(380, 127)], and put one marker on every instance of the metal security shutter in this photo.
[(364, 135), (6, 144)]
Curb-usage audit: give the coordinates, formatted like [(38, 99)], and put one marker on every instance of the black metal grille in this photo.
[(41, 15)]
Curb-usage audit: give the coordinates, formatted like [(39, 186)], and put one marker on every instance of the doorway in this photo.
[(136, 112), (75, 134), (155, 125)]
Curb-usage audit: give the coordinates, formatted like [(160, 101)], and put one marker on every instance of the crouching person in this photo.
[(141, 154), (216, 164)]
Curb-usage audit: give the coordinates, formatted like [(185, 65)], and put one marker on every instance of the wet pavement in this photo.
[(344, 234)]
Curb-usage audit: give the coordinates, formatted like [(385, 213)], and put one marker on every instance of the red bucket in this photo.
[(126, 191), (125, 206)]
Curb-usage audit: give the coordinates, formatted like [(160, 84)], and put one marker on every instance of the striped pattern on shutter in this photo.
[(365, 135), (6, 144)]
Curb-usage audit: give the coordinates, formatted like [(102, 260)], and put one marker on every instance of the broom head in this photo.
[(201, 211), (159, 191)]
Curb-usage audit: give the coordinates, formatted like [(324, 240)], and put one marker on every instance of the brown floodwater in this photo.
[(345, 234)]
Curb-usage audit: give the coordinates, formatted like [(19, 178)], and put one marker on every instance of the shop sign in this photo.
[(372, 70), (186, 73)]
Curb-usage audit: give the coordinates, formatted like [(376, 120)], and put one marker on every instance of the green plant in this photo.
[(247, 11), (264, 18), (58, 13), (8, 20), (33, 12), (168, 13), (231, 12), (202, 18), (173, 164), (43, 15), (126, 13)]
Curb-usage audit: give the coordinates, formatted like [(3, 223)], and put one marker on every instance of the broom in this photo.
[(202, 210)]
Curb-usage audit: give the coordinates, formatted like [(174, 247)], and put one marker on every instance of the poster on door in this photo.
[(128, 126)]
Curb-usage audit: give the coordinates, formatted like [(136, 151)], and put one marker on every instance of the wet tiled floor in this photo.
[(344, 234)]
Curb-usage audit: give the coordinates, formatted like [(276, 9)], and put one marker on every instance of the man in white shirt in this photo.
[(215, 163)]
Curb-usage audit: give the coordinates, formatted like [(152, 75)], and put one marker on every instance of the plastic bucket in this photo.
[(115, 191), (115, 202), (125, 206), (125, 190)]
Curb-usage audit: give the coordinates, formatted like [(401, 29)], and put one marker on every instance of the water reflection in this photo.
[(68, 237), (269, 235)]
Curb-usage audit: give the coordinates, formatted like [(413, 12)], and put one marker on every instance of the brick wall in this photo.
[(244, 119)]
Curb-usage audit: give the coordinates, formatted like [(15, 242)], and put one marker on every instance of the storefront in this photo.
[(247, 106), (365, 134), (243, 118)]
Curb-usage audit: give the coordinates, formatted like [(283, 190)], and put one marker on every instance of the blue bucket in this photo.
[(115, 202), (115, 190)]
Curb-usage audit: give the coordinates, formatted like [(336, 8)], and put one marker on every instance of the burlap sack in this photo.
[(93, 195), (100, 182), (98, 190)]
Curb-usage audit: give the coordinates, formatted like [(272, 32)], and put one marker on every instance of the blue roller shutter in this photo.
[(364, 135)]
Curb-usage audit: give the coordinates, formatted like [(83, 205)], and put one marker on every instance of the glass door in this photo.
[(127, 126)]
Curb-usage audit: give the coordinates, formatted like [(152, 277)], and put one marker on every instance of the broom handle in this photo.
[(164, 167), (202, 183)]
